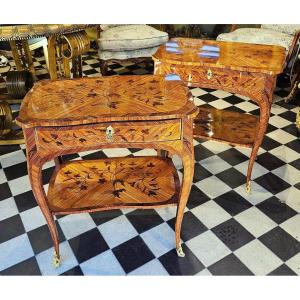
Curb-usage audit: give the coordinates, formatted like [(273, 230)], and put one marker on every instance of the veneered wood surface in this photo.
[(51, 139), (226, 126), (113, 98), (233, 55), (113, 182)]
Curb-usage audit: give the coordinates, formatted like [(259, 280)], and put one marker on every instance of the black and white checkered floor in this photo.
[(225, 231)]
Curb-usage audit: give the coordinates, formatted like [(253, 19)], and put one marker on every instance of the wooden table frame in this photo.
[(230, 73), (169, 132)]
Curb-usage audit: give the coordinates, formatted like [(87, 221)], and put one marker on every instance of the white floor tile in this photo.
[(281, 136), (2, 176), (208, 248), (12, 158), (15, 251), (32, 218), (151, 268), (117, 152), (291, 197), (145, 152), (246, 106), (215, 164), (102, 264), (204, 272), (213, 186), (292, 226), (257, 171), (294, 263), (76, 224), (255, 221), (258, 258), (257, 194), (288, 173), (220, 104), (117, 231), (19, 185), (285, 153), (68, 260), (198, 92), (216, 147), (167, 213), (211, 214), (8, 208), (278, 122), (159, 239)]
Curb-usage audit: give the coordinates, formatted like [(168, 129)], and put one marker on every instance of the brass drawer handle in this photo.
[(110, 133), (209, 74)]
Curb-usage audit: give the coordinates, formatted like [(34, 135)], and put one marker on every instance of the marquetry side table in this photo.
[(247, 69), (68, 116)]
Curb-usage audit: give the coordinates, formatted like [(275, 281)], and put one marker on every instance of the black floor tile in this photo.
[(200, 173), (144, 219), (233, 99), (188, 265), (95, 155), (233, 203), (105, 216), (296, 163), (202, 152), (269, 144), (133, 254), (70, 157), (288, 115), (4, 191), (88, 245), (191, 226), (276, 210), (291, 129), (196, 198), (294, 145), (232, 177), (272, 183), (46, 174), (232, 234), (208, 97), (16, 171), (269, 161), (281, 243), (40, 238), (24, 268), (76, 271), (25, 201), (283, 270), (229, 265), (233, 156), (11, 228)]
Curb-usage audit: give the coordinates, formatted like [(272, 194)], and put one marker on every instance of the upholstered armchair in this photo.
[(285, 35), (128, 42)]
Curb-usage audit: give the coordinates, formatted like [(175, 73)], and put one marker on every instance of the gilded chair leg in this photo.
[(56, 260), (180, 252), (248, 187)]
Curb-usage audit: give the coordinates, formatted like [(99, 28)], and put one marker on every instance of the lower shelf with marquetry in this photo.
[(226, 126), (95, 185)]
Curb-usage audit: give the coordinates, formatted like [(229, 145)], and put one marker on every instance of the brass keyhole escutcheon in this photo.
[(209, 74), (110, 133)]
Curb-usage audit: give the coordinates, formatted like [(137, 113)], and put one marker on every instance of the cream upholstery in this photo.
[(129, 41), (285, 28), (258, 36), (146, 52)]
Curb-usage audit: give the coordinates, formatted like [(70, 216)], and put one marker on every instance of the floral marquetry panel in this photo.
[(109, 183), (114, 98)]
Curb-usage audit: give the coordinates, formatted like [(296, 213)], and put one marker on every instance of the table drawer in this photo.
[(215, 78), (56, 138)]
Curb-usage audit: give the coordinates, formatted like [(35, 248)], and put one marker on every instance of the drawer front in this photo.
[(58, 138), (216, 78)]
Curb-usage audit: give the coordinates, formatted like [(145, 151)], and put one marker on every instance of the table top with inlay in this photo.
[(228, 55), (105, 99)]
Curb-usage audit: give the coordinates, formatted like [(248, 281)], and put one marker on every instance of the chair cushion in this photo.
[(285, 28), (131, 37), (258, 36), (127, 54)]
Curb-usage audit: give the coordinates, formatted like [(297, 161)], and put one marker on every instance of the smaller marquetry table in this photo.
[(246, 69), (68, 116)]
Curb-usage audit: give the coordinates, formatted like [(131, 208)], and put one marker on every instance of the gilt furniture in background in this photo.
[(69, 116), (285, 35), (246, 69), (128, 42)]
